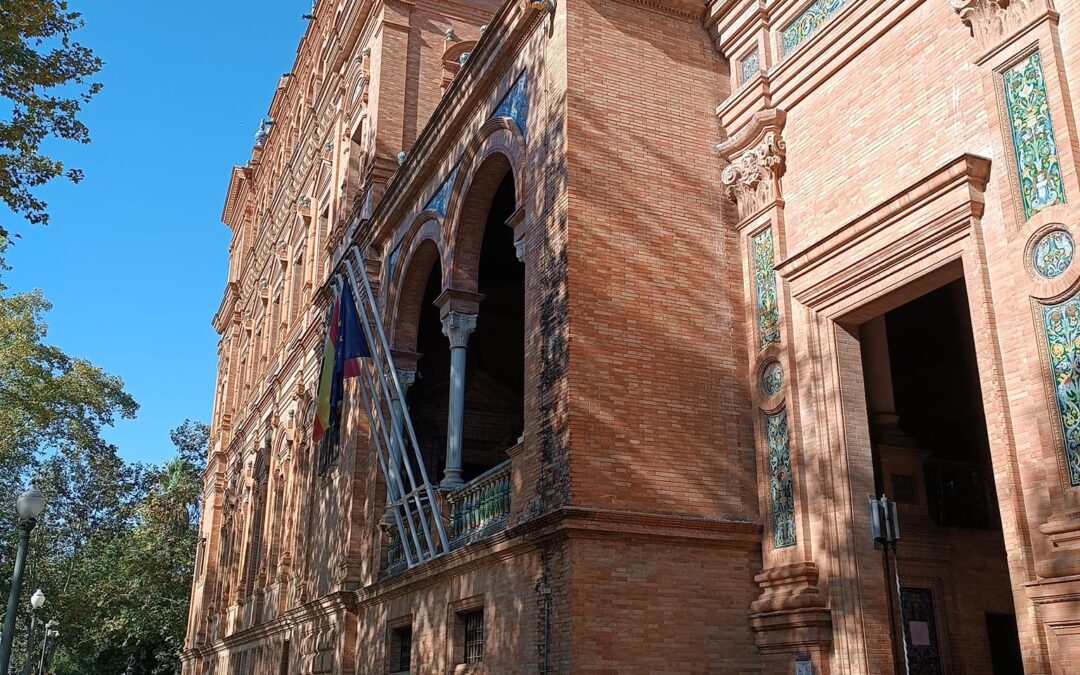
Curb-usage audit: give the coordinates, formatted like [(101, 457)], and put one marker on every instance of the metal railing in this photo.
[(480, 507)]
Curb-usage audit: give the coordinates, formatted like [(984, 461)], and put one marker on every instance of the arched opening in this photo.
[(494, 376), (428, 397)]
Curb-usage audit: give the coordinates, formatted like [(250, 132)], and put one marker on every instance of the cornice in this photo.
[(967, 169)]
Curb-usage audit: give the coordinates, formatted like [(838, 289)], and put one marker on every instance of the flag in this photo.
[(345, 345)]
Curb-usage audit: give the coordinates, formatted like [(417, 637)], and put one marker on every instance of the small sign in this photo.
[(803, 665), (920, 633)]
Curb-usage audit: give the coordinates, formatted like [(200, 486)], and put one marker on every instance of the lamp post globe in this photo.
[(30, 505), (37, 600)]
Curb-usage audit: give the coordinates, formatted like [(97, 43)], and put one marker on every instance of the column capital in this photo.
[(458, 327), (991, 21), (755, 162), (406, 378)]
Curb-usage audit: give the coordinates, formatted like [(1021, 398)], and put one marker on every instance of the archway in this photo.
[(494, 376)]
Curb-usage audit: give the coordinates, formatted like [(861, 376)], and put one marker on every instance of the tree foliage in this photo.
[(122, 592), (45, 78)]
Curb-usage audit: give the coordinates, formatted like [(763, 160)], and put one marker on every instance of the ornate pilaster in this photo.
[(755, 160), (457, 327)]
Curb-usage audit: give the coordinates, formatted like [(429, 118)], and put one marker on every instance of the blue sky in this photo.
[(134, 258)]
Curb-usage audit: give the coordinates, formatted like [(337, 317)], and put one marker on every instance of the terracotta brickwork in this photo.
[(711, 209)]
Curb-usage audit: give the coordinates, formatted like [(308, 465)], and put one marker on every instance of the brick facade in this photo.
[(715, 210)]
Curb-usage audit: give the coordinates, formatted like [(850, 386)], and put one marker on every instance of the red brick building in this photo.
[(670, 288)]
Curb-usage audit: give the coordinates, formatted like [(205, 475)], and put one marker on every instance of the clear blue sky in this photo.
[(134, 258)]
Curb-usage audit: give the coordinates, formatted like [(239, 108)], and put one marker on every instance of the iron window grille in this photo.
[(474, 636), (401, 649)]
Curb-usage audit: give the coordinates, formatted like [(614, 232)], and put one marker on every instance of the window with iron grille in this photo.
[(401, 649), (473, 623)]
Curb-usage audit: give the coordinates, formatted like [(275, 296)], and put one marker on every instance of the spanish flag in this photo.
[(343, 348)]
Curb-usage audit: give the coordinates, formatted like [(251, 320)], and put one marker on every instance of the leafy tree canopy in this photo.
[(45, 78)]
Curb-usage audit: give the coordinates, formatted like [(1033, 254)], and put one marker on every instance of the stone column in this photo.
[(457, 327), (877, 373)]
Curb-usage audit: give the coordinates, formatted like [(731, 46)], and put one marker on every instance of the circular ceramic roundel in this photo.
[(772, 378), (1053, 254)]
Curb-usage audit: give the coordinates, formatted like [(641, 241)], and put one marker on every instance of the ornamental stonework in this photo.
[(990, 21), (752, 176)]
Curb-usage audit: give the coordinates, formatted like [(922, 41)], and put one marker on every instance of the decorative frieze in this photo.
[(1034, 146), (755, 163), (781, 487), (1061, 325), (807, 23)]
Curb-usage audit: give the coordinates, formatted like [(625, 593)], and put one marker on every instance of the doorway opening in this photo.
[(931, 455)]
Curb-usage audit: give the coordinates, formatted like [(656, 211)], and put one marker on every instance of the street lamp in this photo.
[(29, 505), (49, 632), (37, 601)]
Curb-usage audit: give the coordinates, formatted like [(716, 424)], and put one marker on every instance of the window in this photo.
[(473, 628), (401, 649)]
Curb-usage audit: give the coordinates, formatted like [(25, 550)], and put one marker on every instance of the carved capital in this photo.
[(755, 163), (458, 328), (990, 21)]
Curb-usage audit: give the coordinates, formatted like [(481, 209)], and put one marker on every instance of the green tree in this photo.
[(44, 79), (126, 594)]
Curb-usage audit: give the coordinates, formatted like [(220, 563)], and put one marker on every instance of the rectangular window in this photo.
[(401, 649), (472, 623), (1034, 147), (808, 23)]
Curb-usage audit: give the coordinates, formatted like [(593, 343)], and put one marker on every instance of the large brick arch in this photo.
[(498, 148), (421, 250)]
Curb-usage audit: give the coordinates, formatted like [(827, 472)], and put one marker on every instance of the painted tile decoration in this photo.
[(807, 23), (772, 379), (1053, 254), (1034, 147), (920, 631), (782, 493), (749, 67), (1062, 325), (765, 288), (440, 199), (391, 263), (515, 104)]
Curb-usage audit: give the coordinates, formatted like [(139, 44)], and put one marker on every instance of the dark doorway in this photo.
[(931, 455), (1005, 654)]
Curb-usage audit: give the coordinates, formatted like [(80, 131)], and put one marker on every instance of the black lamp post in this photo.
[(29, 505)]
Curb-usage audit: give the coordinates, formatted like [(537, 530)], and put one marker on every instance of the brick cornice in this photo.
[(967, 175)]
